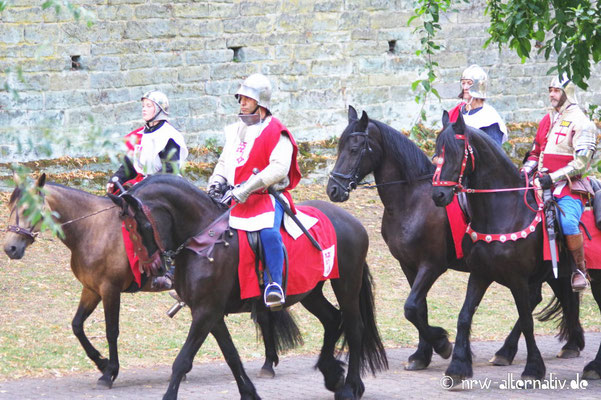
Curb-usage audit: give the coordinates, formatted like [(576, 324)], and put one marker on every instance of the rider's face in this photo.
[(247, 105), (148, 110), (556, 97), (466, 84)]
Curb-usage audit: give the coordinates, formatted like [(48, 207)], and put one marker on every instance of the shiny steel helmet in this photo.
[(479, 78), (161, 102), (258, 88), (565, 84)]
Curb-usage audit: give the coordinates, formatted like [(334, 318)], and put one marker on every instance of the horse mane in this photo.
[(412, 161), (484, 147), (178, 181)]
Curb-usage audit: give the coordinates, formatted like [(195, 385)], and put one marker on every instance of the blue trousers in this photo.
[(271, 238), (572, 211)]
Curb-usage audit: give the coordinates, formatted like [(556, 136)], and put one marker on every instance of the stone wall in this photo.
[(321, 56)]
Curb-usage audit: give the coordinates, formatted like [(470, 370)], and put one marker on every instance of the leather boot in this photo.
[(575, 244)]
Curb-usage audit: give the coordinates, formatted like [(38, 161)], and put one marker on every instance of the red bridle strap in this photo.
[(468, 151)]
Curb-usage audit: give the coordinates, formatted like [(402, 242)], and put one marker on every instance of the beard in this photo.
[(559, 103)]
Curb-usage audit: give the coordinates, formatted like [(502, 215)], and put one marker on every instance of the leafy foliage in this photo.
[(569, 28)]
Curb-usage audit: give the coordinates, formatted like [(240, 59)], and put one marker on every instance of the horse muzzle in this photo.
[(442, 196), (15, 251)]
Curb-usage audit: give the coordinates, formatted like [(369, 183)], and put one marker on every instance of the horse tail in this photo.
[(373, 354), (565, 307), (286, 334), (282, 329)]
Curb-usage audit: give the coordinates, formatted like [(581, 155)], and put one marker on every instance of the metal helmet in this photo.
[(479, 78), (258, 88), (161, 102), (565, 84)]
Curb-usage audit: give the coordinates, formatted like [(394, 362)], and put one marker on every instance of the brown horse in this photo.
[(92, 232)]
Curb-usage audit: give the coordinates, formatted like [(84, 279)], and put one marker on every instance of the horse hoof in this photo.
[(415, 365), (568, 353), (266, 373), (591, 375), (447, 351), (500, 361), (104, 384)]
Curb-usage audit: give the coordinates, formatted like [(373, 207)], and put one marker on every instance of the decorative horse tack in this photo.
[(458, 187)]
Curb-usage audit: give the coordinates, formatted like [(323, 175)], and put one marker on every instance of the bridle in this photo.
[(457, 186), (27, 232), (353, 176)]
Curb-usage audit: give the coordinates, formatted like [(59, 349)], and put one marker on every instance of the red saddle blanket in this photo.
[(307, 265), (131, 255), (592, 248)]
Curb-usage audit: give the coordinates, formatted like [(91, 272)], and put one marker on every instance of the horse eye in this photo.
[(354, 150)]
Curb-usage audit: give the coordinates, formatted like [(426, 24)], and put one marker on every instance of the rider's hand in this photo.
[(216, 190), (545, 182), (110, 187)]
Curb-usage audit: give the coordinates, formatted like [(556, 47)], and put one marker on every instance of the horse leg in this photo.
[(224, 340), (505, 355), (461, 363), (111, 300), (87, 304), (570, 328), (416, 311), (592, 370), (535, 366), (361, 333), (331, 319), (271, 355), (202, 323)]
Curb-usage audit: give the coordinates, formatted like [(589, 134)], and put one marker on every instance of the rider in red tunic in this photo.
[(259, 152), (563, 148)]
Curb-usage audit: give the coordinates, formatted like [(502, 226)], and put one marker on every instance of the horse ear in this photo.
[(459, 125), (41, 180), (363, 122), (445, 118), (352, 114)]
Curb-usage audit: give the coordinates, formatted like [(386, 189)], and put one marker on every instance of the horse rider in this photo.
[(259, 152), (476, 112), (155, 147), (563, 148)]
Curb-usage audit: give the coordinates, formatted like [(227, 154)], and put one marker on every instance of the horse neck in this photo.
[(498, 211), (71, 204), (190, 215)]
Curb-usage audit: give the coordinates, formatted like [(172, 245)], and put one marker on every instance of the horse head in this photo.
[(161, 213), (357, 156), (467, 159), (21, 231), (451, 159)]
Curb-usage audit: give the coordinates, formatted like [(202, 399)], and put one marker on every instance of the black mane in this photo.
[(411, 160)]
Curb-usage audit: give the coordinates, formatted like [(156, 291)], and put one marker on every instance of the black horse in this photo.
[(417, 232), (92, 232), (210, 286), (466, 157)]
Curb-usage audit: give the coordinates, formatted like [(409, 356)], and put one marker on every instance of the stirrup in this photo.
[(579, 288), (274, 296)]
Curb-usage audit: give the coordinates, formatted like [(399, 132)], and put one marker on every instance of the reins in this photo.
[(29, 233), (458, 187)]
